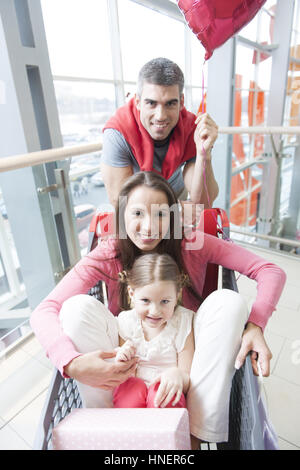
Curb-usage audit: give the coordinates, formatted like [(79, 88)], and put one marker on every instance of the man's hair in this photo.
[(160, 71)]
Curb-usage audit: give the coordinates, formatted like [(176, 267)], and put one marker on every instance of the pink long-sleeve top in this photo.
[(104, 263)]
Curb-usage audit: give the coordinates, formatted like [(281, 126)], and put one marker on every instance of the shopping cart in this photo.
[(245, 421)]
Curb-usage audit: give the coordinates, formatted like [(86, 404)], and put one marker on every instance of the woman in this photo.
[(69, 325)]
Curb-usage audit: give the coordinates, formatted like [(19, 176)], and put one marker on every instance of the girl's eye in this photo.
[(145, 301), (165, 302)]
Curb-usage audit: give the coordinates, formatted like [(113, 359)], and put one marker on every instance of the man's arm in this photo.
[(113, 178), (116, 163), (198, 176), (195, 171)]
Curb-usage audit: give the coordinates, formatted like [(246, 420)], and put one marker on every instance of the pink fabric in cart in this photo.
[(123, 429)]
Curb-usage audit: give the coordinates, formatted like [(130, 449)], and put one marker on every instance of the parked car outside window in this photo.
[(83, 215)]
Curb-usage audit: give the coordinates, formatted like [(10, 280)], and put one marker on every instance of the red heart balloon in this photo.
[(215, 21)]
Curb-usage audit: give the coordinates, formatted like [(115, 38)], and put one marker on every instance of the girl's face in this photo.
[(155, 303), (147, 217)]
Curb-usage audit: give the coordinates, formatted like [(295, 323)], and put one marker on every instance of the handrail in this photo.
[(271, 130), (283, 241), (45, 156)]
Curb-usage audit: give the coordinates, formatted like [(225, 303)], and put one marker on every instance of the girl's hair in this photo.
[(170, 245), (153, 267)]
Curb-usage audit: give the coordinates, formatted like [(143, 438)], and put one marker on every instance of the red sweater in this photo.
[(181, 147)]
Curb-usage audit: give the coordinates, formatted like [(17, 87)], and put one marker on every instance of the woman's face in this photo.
[(147, 217)]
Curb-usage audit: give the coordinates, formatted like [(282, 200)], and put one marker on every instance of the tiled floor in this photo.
[(25, 373)]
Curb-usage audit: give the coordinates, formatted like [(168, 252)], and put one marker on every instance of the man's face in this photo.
[(159, 108)]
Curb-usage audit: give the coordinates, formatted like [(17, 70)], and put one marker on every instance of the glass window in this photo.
[(250, 30), (83, 107), (78, 38), (12, 291), (146, 34), (244, 65), (198, 53), (197, 100)]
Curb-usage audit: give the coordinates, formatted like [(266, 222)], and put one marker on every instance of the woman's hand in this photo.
[(126, 352), (171, 383), (205, 135), (92, 369), (253, 340)]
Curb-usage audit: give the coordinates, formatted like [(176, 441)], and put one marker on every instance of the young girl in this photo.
[(159, 332)]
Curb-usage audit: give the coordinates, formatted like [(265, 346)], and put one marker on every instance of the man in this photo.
[(154, 132)]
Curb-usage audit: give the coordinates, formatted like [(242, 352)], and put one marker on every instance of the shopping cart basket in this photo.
[(245, 422)]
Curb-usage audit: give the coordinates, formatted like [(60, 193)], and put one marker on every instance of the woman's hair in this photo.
[(151, 268), (170, 245)]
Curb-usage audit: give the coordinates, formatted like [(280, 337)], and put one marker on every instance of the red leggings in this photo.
[(134, 393)]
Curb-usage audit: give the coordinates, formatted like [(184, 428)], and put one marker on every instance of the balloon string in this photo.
[(203, 149), (204, 165)]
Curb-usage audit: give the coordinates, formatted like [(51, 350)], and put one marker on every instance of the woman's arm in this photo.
[(270, 278), (45, 318)]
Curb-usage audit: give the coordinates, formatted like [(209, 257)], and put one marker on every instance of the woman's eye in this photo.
[(137, 213)]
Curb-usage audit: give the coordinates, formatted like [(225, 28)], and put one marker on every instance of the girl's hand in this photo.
[(205, 135), (92, 369), (253, 340), (126, 352), (171, 383)]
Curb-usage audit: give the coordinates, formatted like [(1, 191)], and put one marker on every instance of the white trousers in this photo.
[(218, 328)]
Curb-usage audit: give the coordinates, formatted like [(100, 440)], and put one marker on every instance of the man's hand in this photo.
[(254, 341), (92, 369), (205, 135)]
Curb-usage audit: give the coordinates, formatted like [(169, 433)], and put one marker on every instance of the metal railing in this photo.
[(41, 157)]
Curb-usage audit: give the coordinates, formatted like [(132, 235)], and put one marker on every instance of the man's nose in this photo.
[(160, 113)]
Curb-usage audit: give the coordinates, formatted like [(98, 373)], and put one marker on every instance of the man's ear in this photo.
[(181, 101), (137, 100)]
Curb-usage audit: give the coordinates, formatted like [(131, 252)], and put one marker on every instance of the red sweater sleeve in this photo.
[(44, 319), (270, 278)]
